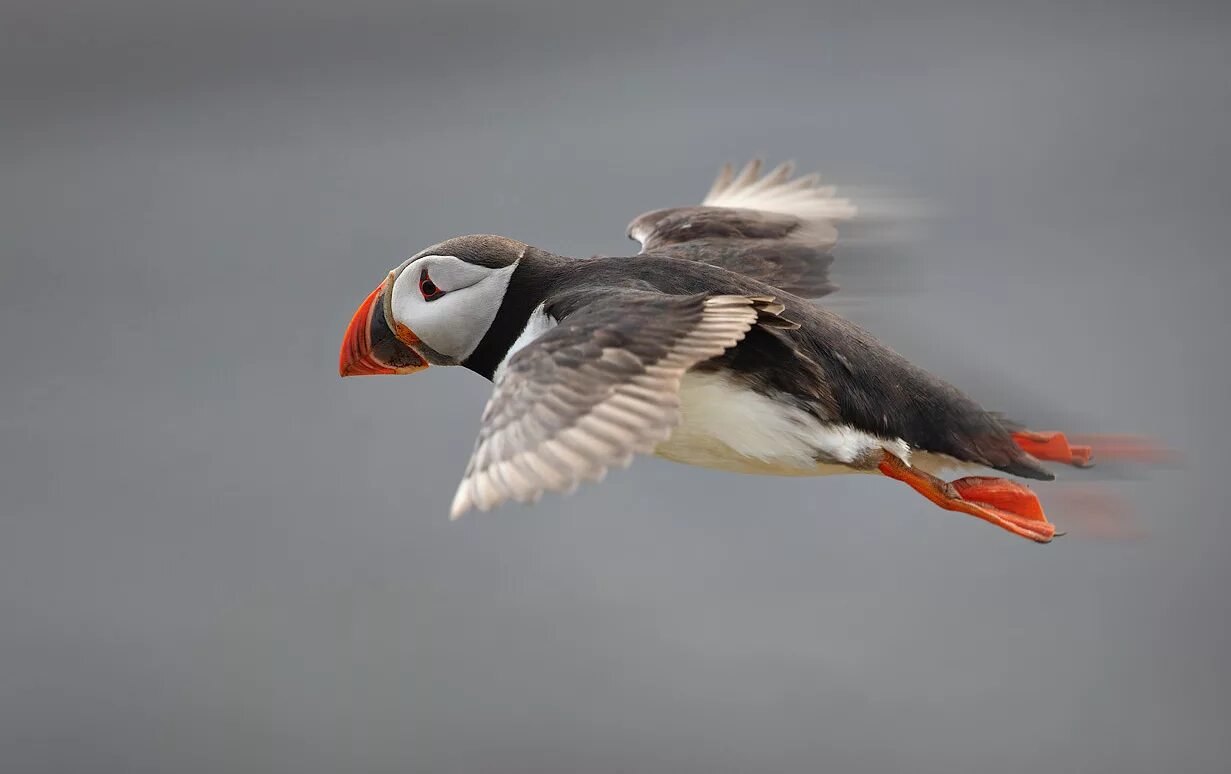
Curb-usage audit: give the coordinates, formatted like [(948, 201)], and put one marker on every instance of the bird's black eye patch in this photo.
[(428, 289)]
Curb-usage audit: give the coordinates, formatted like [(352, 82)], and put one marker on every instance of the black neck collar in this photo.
[(532, 280)]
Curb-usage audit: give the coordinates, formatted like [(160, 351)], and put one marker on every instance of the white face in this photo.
[(449, 303)]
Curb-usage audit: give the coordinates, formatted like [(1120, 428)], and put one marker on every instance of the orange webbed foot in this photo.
[(1054, 447), (1010, 502), (1006, 504)]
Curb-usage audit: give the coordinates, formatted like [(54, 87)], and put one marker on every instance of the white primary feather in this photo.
[(777, 192)]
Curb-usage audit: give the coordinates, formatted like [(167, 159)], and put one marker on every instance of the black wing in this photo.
[(595, 389), (774, 228)]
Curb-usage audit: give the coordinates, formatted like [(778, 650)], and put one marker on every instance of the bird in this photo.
[(706, 347)]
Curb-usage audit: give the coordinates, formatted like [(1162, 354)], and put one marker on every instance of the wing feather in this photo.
[(591, 392), (776, 228)]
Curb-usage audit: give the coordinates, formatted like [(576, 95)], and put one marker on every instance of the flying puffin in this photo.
[(703, 348)]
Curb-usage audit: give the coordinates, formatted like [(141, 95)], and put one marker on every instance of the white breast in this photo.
[(727, 426), (538, 323)]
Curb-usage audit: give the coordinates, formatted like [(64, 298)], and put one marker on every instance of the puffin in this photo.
[(706, 348)]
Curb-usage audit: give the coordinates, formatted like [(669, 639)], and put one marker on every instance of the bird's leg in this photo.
[(1054, 447), (1006, 504)]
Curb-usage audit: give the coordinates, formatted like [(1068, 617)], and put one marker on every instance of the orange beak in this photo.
[(370, 347)]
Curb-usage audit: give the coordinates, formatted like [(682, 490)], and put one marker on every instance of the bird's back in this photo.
[(829, 367)]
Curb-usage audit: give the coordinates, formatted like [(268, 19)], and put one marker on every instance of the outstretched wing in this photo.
[(596, 388), (775, 228)]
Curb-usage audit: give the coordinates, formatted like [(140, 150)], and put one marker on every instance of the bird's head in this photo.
[(433, 309)]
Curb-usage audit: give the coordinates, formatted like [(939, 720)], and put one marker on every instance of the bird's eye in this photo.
[(428, 288)]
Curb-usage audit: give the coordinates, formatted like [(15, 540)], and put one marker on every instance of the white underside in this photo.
[(729, 427)]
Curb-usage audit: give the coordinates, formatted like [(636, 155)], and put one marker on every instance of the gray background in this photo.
[(217, 556)]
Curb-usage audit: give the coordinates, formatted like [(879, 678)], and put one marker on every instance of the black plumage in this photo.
[(827, 366), (749, 242)]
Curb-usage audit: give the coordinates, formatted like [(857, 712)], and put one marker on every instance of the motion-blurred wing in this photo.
[(775, 228), (593, 390)]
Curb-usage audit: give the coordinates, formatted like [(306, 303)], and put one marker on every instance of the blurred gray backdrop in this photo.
[(215, 555)]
